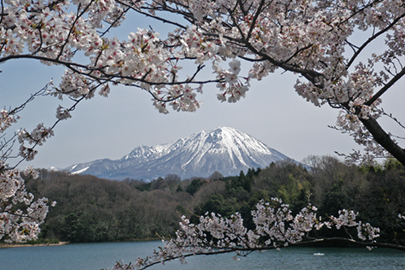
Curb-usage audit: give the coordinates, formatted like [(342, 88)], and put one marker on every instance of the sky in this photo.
[(111, 127)]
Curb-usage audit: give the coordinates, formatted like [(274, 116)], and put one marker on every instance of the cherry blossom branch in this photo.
[(311, 75), (78, 16), (374, 37), (89, 70), (115, 21), (6, 147), (254, 20), (239, 250), (275, 227), (5, 153), (386, 87)]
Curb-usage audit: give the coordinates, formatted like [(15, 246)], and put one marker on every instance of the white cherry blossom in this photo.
[(19, 225)]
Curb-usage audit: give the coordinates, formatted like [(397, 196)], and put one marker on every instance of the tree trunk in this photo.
[(381, 137)]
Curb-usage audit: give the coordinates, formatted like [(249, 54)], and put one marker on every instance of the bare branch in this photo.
[(41, 92), (164, 20)]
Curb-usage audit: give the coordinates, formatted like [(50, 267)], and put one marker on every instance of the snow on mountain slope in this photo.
[(224, 149)]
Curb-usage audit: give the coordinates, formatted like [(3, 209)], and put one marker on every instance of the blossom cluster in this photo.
[(20, 214), (36, 137), (6, 120), (275, 227)]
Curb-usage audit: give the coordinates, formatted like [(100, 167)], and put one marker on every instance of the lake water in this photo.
[(103, 255)]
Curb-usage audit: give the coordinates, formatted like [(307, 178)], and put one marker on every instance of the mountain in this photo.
[(224, 149)]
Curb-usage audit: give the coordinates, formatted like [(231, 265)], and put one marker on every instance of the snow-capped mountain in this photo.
[(224, 149)]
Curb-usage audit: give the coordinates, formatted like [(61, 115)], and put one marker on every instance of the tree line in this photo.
[(90, 209)]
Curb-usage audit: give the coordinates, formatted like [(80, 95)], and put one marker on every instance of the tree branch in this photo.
[(303, 243), (365, 44), (385, 88), (156, 17), (73, 26)]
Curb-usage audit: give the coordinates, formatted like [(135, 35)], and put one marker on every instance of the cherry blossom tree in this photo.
[(316, 40)]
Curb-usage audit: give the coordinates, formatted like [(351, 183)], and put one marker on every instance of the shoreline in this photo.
[(5, 245)]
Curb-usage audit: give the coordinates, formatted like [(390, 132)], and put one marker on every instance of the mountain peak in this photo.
[(224, 149)]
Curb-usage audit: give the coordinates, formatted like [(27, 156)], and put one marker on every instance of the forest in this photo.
[(90, 209)]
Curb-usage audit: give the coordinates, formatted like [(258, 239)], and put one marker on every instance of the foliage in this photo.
[(90, 209), (330, 184), (194, 186)]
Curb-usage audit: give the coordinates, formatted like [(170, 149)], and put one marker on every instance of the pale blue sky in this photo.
[(111, 127)]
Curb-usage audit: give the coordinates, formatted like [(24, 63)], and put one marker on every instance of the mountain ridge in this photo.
[(224, 149)]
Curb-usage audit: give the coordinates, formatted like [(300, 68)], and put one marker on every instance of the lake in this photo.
[(103, 255)]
